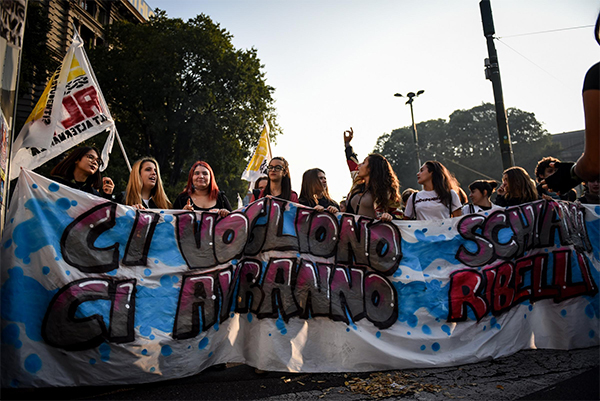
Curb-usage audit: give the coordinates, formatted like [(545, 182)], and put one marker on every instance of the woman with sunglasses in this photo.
[(280, 183), (202, 192), (81, 170)]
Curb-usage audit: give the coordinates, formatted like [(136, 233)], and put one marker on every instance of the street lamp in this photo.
[(411, 96)]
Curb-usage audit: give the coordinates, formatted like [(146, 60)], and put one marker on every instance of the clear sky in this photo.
[(336, 64)]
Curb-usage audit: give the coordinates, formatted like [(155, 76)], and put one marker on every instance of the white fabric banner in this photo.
[(70, 110), (95, 293)]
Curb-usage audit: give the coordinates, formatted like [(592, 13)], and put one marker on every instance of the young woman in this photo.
[(314, 191), (202, 192), (280, 183), (437, 200), (145, 188), (81, 170), (375, 190), (481, 190), (517, 188)]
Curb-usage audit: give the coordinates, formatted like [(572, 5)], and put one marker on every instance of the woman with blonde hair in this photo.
[(314, 192), (145, 189), (517, 188)]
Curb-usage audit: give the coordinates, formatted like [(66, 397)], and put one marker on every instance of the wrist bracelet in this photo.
[(574, 176)]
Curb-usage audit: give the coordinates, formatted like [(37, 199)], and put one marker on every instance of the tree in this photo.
[(467, 144), (181, 92)]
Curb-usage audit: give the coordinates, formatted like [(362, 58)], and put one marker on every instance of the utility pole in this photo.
[(492, 72)]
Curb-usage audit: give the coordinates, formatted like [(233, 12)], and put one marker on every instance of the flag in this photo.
[(70, 110), (257, 166)]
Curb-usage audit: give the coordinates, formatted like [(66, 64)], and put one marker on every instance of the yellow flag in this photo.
[(260, 159)]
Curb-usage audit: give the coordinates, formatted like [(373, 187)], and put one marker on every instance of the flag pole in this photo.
[(123, 150), (6, 194)]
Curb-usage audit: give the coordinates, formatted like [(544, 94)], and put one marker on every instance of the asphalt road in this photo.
[(527, 375)]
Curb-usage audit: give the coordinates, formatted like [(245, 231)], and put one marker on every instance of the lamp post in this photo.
[(411, 96)]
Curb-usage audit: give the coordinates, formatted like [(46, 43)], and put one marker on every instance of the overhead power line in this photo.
[(550, 31)]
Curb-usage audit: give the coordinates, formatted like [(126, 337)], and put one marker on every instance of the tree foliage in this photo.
[(181, 92), (467, 144)]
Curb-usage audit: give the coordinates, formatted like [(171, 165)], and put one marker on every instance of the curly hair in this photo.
[(540, 168), (383, 183)]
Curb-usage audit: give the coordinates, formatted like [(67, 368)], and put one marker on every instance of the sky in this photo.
[(337, 64)]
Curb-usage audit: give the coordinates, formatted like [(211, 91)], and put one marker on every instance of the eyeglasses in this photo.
[(95, 159), (276, 168)]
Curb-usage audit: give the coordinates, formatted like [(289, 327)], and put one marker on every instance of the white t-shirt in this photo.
[(429, 207), (477, 209)]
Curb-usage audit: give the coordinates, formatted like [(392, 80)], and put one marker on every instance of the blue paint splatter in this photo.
[(408, 332), (446, 329), (418, 294), (426, 329), (435, 347), (104, 350), (592, 333), (203, 343), (347, 329), (147, 272), (563, 313), (166, 350), (152, 369), (423, 347), (92, 361), (33, 363), (10, 335), (44, 228), (144, 352), (34, 186), (280, 324), (53, 187), (210, 354), (419, 255), (525, 316), (589, 311), (156, 307), (45, 270), (530, 308), (25, 300), (7, 244), (249, 317)]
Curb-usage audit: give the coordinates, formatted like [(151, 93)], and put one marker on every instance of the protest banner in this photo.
[(257, 166), (70, 110), (96, 293)]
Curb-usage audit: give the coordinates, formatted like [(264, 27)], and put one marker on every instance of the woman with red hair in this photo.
[(202, 193)]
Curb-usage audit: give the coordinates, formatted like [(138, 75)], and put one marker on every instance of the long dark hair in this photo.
[(66, 167), (286, 181), (213, 188), (383, 183), (520, 185), (442, 180), (484, 186), (312, 188)]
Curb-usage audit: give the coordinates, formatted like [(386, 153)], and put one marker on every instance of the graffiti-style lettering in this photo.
[(198, 293), (196, 243), (77, 242), (136, 251), (501, 287), (61, 329)]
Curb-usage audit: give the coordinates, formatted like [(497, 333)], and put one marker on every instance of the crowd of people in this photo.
[(375, 190)]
